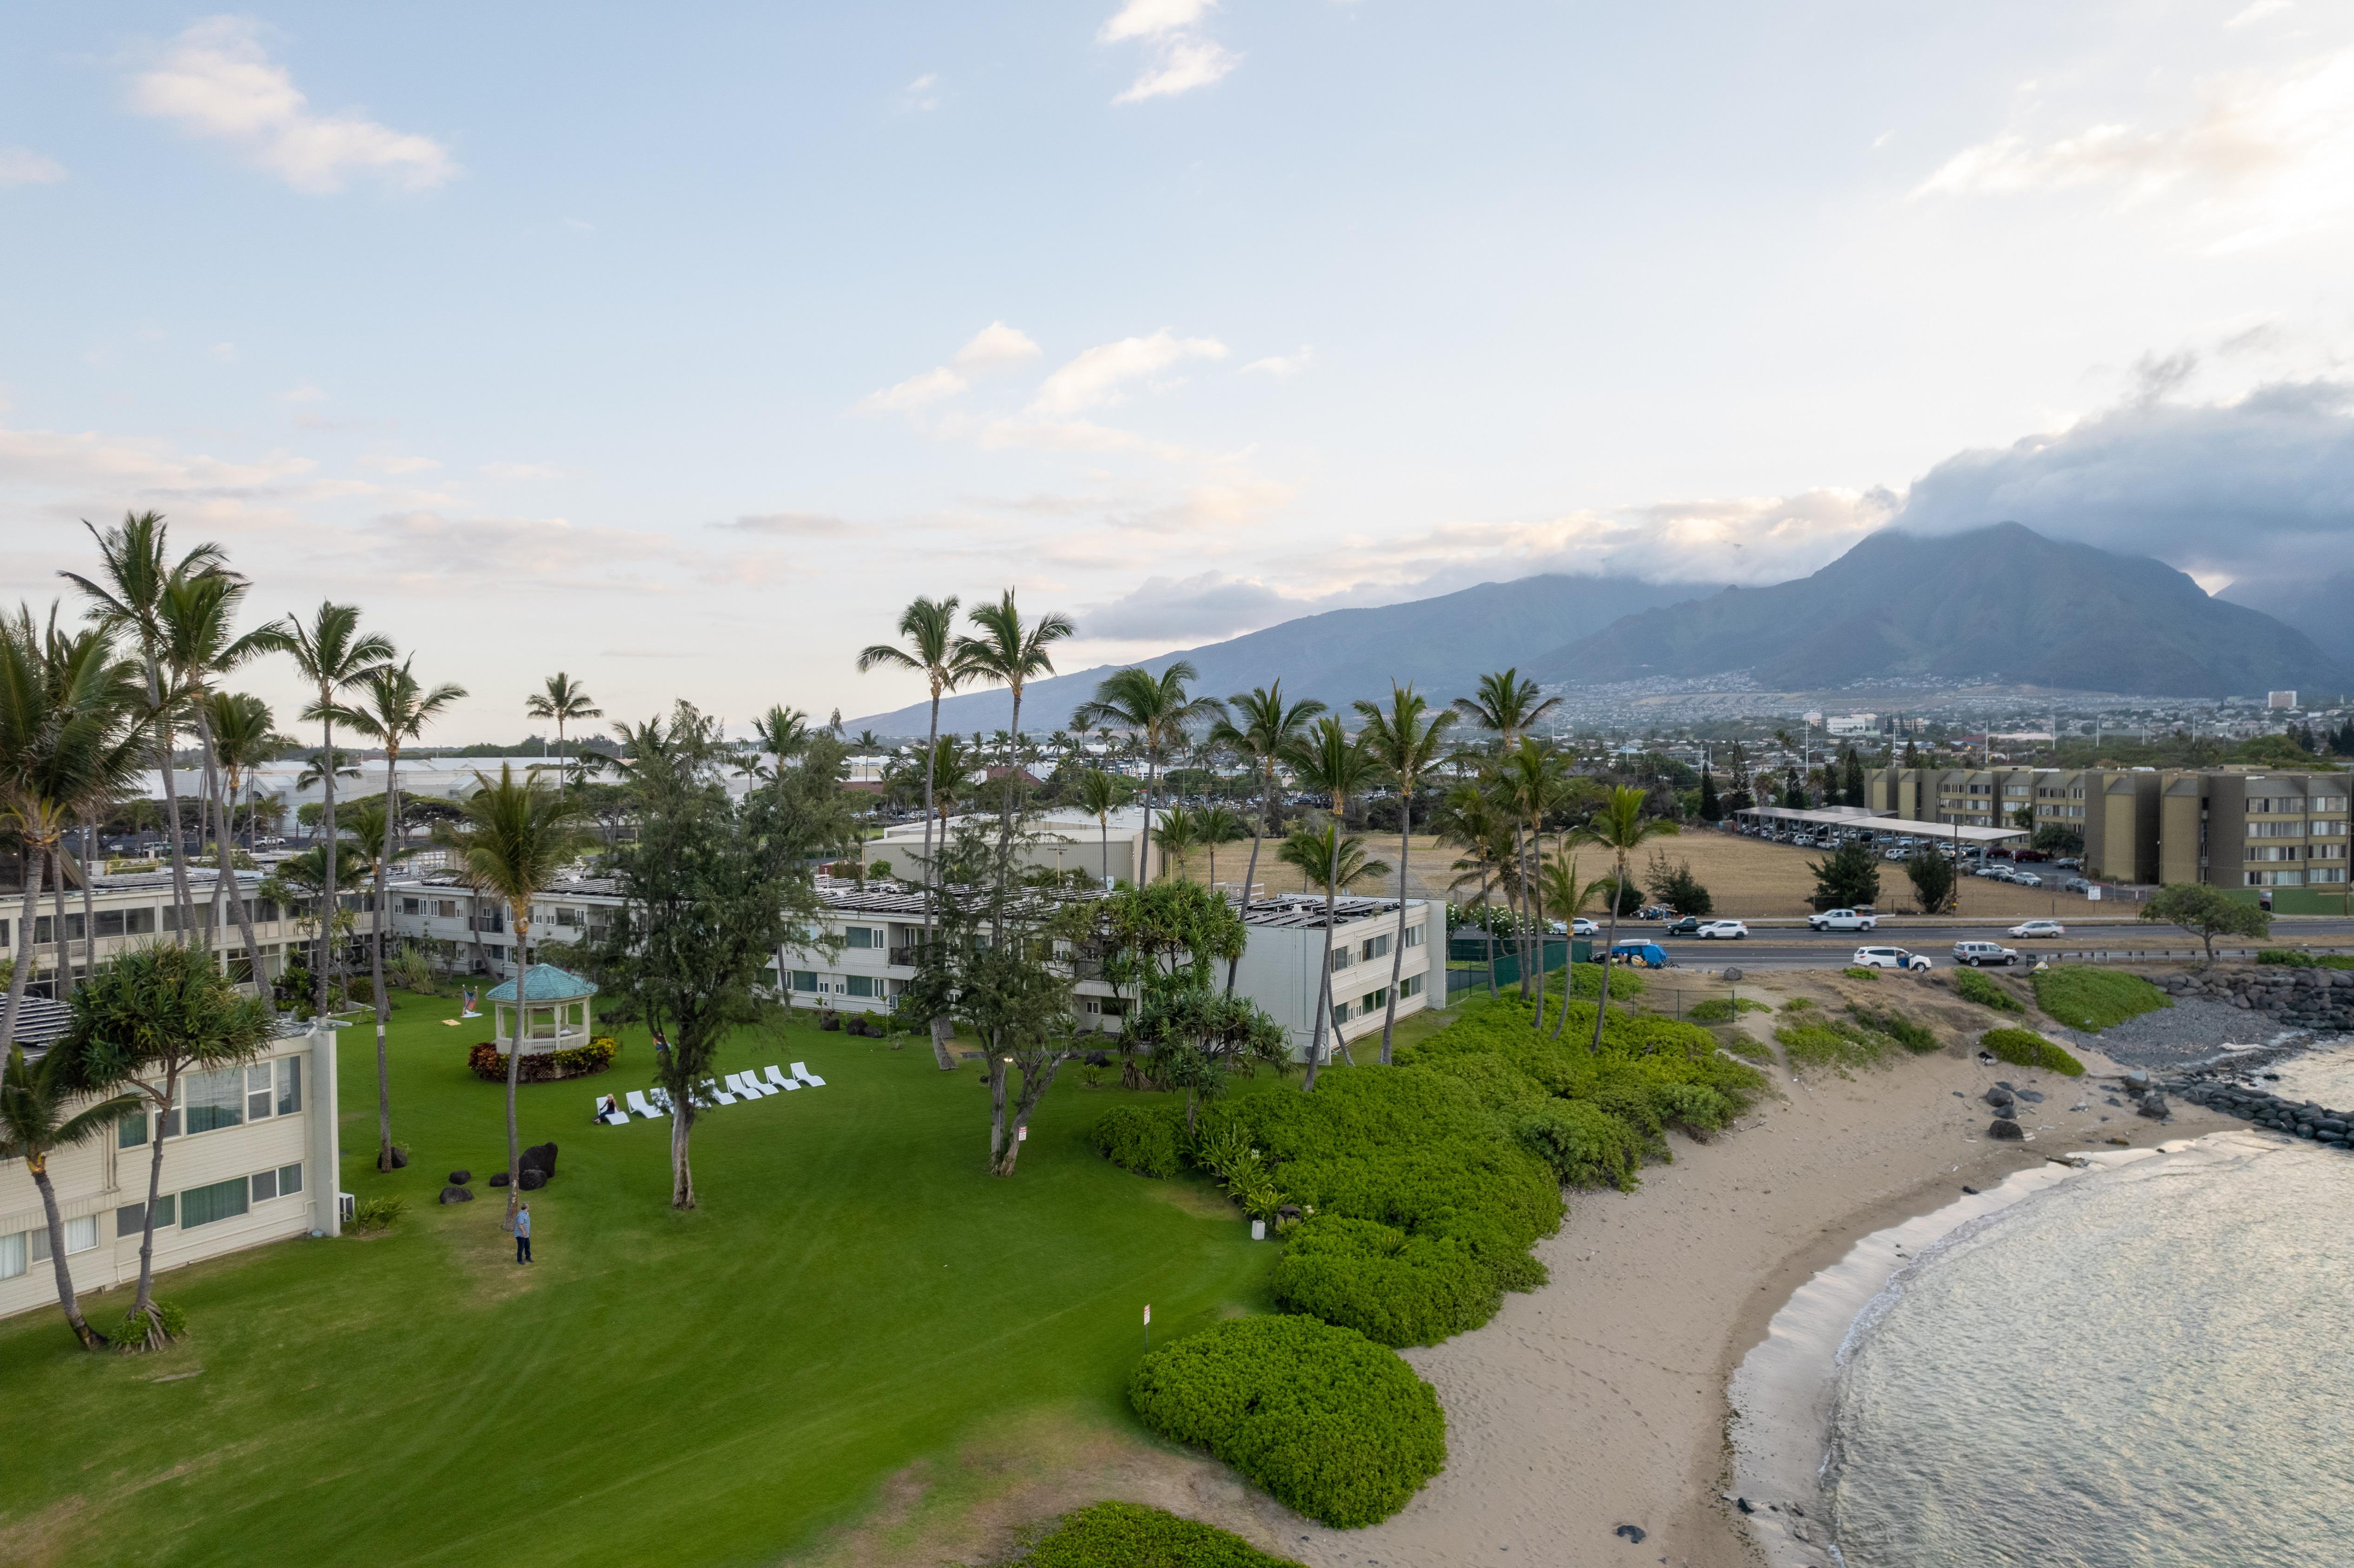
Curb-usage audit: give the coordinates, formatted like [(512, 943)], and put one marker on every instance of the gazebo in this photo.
[(555, 1009)]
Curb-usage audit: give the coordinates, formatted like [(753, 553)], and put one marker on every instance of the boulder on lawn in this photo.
[(539, 1157), (456, 1194), (531, 1179), (399, 1157), (2002, 1129), (1099, 1059), (460, 1178), (498, 1178)]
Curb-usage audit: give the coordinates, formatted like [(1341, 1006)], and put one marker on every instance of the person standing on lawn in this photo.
[(523, 1234)]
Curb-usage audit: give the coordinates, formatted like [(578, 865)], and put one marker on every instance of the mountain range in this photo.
[(2002, 602)]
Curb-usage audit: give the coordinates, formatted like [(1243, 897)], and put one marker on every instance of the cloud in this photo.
[(216, 81), (1181, 66), (519, 470), (1281, 365), (1096, 375), (2258, 12), (996, 347), (2265, 157), (993, 348), (224, 351), (23, 167), (305, 393), (921, 94), (789, 525), (1152, 19), (386, 464), (1208, 606)]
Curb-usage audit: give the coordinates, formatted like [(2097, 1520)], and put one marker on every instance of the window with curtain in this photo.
[(259, 1099), (290, 1179), (289, 1085), (132, 1130), (221, 1201), (214, 1100), (13, 1255)]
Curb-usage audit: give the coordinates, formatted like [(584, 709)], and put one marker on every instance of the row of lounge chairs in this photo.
[(655, 1105)]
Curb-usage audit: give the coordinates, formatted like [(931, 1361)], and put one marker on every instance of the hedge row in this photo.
[(1333, 1426), (1130, 1535)]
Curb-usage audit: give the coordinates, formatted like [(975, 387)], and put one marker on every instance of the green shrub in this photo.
[(1586, 982), (2025, 1048), (131, 1333), (1857, 971), (378, 1213), (2083, 996), (1917, 1038), (1723, 1009), (1332, 1425), (1141, 1138), (1836, 1043), (1393, 1288), (1799, 1004), (1130, 1535), (1585, 1145), (2296, 958), (1972, 986)]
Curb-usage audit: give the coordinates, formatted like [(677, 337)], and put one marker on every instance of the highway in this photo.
[(1793, 947)]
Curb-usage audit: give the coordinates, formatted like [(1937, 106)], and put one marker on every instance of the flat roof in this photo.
[(1883, 823)]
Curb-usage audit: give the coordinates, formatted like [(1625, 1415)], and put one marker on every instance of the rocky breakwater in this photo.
[(2292, 998), (2298, 1119)]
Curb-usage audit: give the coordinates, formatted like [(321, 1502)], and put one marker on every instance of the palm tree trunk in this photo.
[(1324, 988), (1529, 863), (182, 903), (65, 1298), (1487, 926), (216, 817), (384, 1000), (28, 955), (940, 1051), (1250, 872), (242, 907), (522, 912), (1602, 1002), (89, 904), (1151, 783), (58, 925), (1398, 943), (327, 884)]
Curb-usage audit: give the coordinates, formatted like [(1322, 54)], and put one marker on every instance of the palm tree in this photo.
[(1408, 745), (1335, 765), (1619, 827), (783, 733), (1259, 728), (1531, 781), (1099, 795), (394, 708), (1010, 652), (565, 701), (1177, 834), (1468, 820), (1563, 896), (1325, 854), (1219, 824), (134, 570), (334, 656), (70, 736), (516, 837), (197, 613), (1507, 706), (1157, 711), (301, 879), (34, 1126)]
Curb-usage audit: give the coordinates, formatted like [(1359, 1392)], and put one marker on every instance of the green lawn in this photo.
[(854, 1295), (2083, 996)]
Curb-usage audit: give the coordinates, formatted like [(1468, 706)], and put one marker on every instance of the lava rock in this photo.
[(454, 1194), (540, 1157), (532, 1179), (1099, 1058), (1973, 1192), (2004, 1130), (1634, 1532), (1733, 976), (399, 1157), (1997, 1096), (460, 1178), (2031, 1096), (2153, 1106), (498, 1178)]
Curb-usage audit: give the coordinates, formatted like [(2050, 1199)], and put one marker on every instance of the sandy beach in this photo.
[(1600, 1400)]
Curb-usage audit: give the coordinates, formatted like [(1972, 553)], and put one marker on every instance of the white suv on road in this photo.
[(1889, 958), (1723, 928), (1980, 954), (1841, 920)]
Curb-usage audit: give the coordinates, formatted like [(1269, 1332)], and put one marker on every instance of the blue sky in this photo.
[(678, 348)]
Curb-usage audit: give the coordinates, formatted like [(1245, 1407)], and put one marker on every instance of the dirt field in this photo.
[(1749, 879)]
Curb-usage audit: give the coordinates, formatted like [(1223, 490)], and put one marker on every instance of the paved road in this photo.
[(1771, 947)]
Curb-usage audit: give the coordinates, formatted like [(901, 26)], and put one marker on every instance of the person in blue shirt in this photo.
[(523, 1234)]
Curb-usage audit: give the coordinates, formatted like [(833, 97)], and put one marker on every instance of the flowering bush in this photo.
[(546, 1066)]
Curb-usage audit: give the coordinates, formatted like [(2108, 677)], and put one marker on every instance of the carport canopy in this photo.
[(1879, 822)]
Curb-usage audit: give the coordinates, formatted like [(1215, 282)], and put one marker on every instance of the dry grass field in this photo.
[(1748, 879)]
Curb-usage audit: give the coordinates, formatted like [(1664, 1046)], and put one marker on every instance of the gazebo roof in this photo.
[(546, 983)]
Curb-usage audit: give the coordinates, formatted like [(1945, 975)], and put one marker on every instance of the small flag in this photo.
[(1148, 1311)]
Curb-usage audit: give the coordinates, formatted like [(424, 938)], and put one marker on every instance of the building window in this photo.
[(861, 985), (448, 910), (1410, 985), (2323, 828), (864, 937), (130, 1132), (804, 980), (289, 1085), (258, 1096), (82, 1235), (214, 1100), (1413, 935), (1372, 1000), (11, 1255), (221, 1201), (1375, 948), (408, 905), (290, 1179), (2332, 874), (1342, 958), (2276, 830), (1340, 1012)]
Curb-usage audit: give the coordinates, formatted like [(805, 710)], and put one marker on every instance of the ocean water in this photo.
[(2150, 1365)]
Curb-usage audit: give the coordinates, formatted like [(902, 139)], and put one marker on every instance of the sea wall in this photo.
[(2294, 998)]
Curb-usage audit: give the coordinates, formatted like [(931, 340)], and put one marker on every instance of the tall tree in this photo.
[(1618, 827), (516, 836), (1470, 820), (70, 734), (1563, 896), (1259, 727), (1177, 834), (934, 652), (243, 736), (1336, 765), (564, 700), (135, 567), (393, 708), (334, 656), (1099, 794), (1157, 711), (1507, 706), (1219, 824), (147, 1020), (1530, 781), (1338, 860), (1010, 652), (1409, 741), (1712, 810), (33, 1127), (1166, 941), (201, 645)]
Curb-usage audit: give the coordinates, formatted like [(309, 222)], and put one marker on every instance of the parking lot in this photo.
[(1753, 879)]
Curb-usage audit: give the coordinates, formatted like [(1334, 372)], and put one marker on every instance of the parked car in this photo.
[(1841, 920), (2038, 929), (1582, 927), (1722, 931), (1896, 854), (2069, 863), (1977, 955), (1687, 926), (1889, 958), (2075, 885), (2027, 879), (1644, 955)]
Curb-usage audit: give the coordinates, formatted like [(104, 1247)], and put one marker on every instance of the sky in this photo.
[(679, 348)]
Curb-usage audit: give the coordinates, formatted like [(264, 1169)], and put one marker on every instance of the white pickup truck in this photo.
[(1841, 920)]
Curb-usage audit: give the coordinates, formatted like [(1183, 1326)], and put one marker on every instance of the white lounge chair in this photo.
[(777, 1080), (660, 1099), (639, 1104), (617, 1117), (800, 1071), (712, 1088), (744, 1086)]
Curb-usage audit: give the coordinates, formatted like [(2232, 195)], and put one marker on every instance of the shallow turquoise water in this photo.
[(2144, 1368)]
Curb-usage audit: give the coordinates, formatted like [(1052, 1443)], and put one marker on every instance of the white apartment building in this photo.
[(250, 1155), (134, 909)]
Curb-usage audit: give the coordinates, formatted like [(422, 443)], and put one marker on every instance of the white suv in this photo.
[(1889, 958), (1980, 954), (1719, 929), (1841, 920)]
